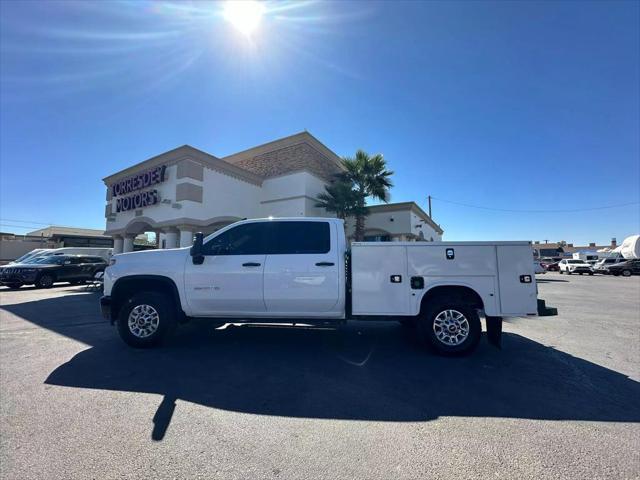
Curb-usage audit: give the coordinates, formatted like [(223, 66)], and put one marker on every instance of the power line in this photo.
[(23, 221), (560, 210), (15, 226)]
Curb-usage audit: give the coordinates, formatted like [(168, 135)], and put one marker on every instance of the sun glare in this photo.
[(244, 15)]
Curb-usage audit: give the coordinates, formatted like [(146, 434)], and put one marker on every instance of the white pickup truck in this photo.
[(298, 270)]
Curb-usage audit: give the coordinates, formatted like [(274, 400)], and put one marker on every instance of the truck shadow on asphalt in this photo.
[(363, 371)]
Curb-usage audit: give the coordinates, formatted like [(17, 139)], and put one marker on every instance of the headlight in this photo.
[(112, 261)]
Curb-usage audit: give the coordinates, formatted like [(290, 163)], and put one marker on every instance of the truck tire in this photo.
[(626, 273), (450, 328), (146, 319), (45, 281)]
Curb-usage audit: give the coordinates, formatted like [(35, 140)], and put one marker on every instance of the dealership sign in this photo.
[(128, 189)]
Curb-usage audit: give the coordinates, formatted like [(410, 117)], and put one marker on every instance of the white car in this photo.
[(575, 266), (298, 270)]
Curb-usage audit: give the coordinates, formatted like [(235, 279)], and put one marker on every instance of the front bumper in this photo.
[(581, 270), (8, 278), (105, 307)]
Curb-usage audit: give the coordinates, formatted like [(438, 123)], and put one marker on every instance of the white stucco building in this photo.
[(186, 190)]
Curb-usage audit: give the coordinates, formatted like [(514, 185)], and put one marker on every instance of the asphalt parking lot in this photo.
[(560, 400)]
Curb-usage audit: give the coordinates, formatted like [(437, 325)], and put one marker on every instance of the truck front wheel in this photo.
[(146, 319), (450, 328)]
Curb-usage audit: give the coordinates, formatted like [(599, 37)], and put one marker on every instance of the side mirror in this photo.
[(196, 250)]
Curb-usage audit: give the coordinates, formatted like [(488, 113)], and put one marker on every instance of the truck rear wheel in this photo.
[(146, 319), (450, 328)]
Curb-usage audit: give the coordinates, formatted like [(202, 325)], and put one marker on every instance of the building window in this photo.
[(377, 238)]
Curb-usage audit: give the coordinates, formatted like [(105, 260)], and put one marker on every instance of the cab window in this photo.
[(301, 238), (246, 239)]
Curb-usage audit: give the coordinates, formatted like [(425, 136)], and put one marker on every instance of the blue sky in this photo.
[(506, 105)]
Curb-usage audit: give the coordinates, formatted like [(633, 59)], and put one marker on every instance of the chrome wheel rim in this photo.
[(451, 327), (143, 321)]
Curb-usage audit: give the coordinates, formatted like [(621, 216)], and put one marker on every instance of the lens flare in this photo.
[(244, 15)]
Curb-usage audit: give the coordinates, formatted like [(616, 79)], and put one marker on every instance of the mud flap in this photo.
[(544, 311), (494, 331)]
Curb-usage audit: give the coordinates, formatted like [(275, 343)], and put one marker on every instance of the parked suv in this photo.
[(575, 266), (45, 271), (626, 269)]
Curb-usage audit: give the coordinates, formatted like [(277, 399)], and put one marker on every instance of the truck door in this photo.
[(301, 275), (230, 280)]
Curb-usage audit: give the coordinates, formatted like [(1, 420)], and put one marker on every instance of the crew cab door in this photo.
[(301, 275), (230, 280)]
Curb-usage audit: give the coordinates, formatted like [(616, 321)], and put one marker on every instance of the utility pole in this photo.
[(430, 208)]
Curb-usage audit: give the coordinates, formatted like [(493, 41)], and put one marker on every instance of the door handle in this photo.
[(251, 264), (325, 264)]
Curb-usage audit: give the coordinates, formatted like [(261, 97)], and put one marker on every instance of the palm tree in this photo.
[(340, 198), (370, 178)]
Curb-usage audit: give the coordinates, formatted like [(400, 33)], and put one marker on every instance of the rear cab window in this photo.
[(295, 238)]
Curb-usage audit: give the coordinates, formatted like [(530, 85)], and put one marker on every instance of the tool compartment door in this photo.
[(373, 290), (517, 298)]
